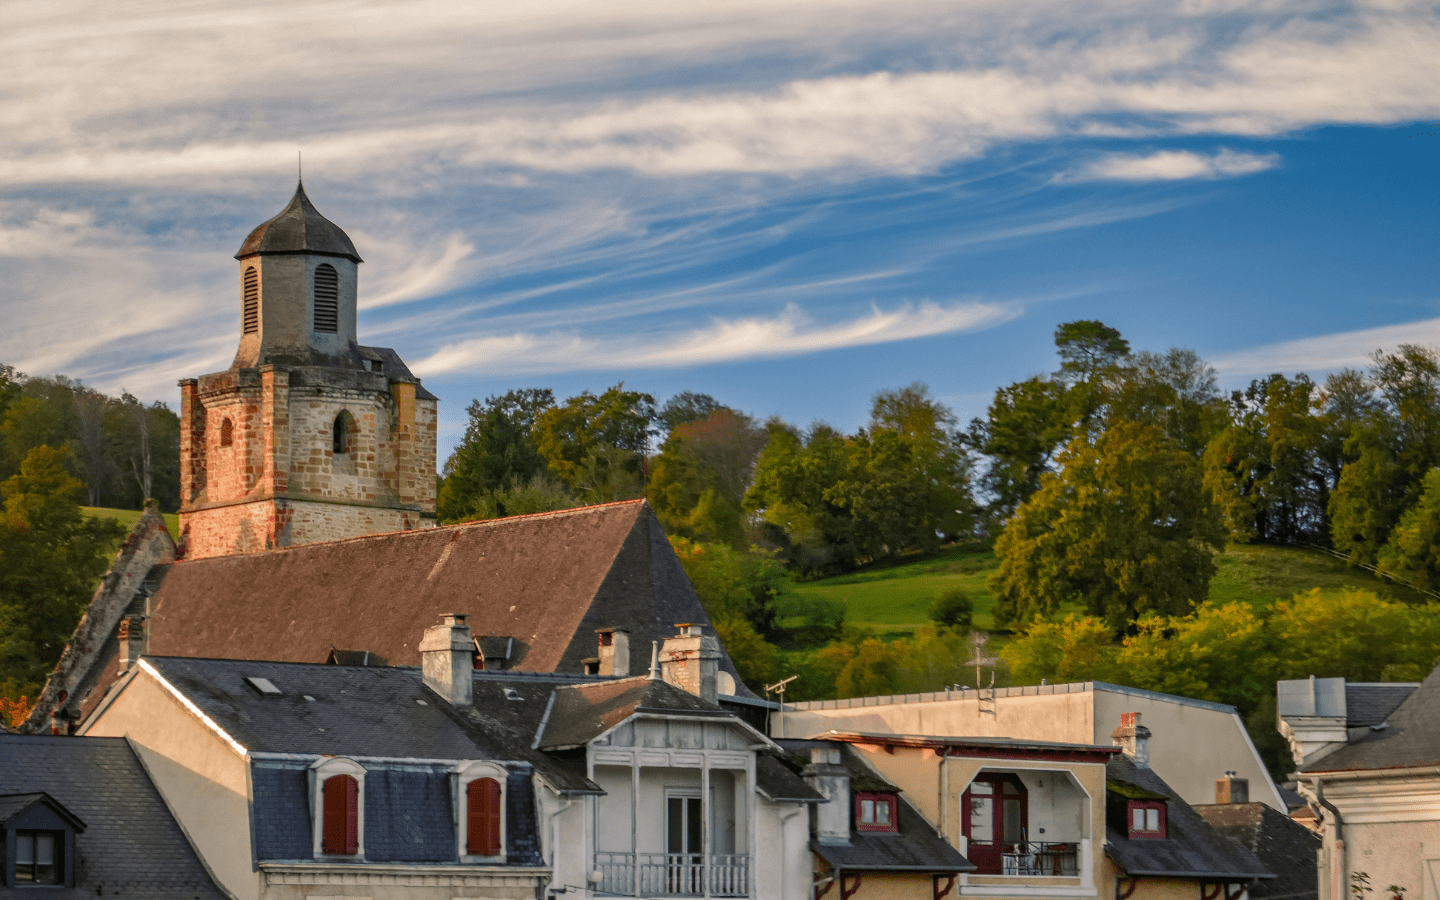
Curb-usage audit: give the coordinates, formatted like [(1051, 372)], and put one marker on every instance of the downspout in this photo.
[(1337, 853), (943, 807)]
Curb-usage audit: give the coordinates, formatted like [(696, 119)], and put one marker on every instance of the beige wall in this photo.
[(891, 886), (282, 882), (203, 779), (1153, 888)]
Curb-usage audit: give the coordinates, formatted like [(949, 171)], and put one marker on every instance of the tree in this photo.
[(1088, 348), (1024, 427), (747, 584), (1073, 649), (1123, 529), (792, 478), (50, 558), (699, 478), (686, 407), (498, 454), (597, 444), (1174, 391), (1412, 553), (952, 608), (1355, 635)]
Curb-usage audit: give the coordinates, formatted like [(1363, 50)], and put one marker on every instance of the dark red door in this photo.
[(993, 813)]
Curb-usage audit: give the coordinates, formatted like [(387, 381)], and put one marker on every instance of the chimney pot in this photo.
[(691, 661), (1133, 738), (447, 664), (614, 653), (832, 780), (1231, 789)]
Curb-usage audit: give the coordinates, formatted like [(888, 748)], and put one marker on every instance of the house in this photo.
[(1048, 819), (1369, 766), (73, 814), (314, 779), (1284, 846), (1081, 713)]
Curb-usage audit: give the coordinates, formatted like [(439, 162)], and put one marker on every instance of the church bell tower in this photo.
[(308, 436)]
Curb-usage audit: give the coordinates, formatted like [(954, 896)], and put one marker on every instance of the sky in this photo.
[(787, 205)]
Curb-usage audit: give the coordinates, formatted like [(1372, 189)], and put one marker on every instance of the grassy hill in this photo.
[(128, 517), (895, 597)]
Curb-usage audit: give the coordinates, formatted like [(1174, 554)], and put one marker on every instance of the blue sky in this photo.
[(786, 205)]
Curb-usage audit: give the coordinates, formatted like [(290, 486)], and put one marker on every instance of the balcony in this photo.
[(1041, 858), (673, 874)]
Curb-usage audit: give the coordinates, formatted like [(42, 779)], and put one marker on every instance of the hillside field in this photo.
[(895, 598), (128, 517)]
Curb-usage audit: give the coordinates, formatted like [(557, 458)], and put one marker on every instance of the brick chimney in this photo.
[(691, 661), (831, 779), (614, 651), (447, 660), (1133, 738), (132, 640), (1231, 789)]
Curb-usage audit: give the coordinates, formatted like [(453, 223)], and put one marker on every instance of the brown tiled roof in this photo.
[(547, 580)]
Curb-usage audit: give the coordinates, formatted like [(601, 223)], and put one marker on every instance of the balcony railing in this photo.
[(673, 874), (1041, 858)]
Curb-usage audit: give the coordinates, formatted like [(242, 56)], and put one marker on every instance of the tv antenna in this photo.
[(779, 688)]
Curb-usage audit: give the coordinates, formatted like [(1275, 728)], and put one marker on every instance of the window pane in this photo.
[(45, 849), (25, 849), (982, 818), (867, 812), (694, 838), (1013, 833), (1137, 821), (676, 823), (882, 813), (1152, 820)]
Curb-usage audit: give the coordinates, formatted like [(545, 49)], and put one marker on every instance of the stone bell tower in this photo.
[(308, 436)]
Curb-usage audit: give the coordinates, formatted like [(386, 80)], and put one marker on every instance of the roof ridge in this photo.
[(475, 523)]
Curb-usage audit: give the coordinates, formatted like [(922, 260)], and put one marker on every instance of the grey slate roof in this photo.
[(1282, 845), (915, 847), (1371, 703), (776, 781), (368, 711), (583, 712), (1411, 736), (299, 228), (102, 783), (1191, 849), (12, 805)]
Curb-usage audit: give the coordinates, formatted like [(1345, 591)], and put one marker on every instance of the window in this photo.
[(338, 802), (327, 299), (37, 857), (340, 432), (480, 792), (227, 433), (1146, 818), (995, 817), (875, 812), (250, 308), (684, 844)]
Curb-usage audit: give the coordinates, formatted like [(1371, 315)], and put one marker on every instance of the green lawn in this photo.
[(128, 517), (896, 597)]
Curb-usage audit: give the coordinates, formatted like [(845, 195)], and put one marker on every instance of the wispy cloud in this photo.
[(1174, 165), (1326, 352), (788, 334)]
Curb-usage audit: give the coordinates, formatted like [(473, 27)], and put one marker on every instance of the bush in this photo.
[(952, 608)]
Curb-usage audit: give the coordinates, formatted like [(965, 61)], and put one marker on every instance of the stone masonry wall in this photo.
[(267, 524)]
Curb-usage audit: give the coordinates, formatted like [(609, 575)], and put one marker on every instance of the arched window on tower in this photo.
[(342, 431), (250, 310), (327, 299), (227, 432)]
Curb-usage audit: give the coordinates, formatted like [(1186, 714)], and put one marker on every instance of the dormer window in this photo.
[(37, 841), (338, 828), (327, 299), (250, 308), (875, 812), (480, 791), (37, 857), (1146, 818)]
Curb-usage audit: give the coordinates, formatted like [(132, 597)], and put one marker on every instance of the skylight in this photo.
[(263, 685)]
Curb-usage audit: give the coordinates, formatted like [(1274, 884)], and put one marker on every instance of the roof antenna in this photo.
[(299, 167), (654, 660)]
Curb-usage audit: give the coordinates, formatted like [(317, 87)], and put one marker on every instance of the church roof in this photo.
[(299, 229)]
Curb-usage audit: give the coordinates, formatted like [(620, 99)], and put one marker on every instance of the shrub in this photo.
[(952, 608)]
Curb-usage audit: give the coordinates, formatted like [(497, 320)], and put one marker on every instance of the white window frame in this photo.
[(462, 774), (320, 771)]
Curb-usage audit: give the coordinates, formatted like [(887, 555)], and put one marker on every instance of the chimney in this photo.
[(826, 775), (132, 640), (1133, 738), (447, 660), (614, 651), (691, 661), (1231, 789)]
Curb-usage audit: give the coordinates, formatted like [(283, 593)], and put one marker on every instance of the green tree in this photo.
[(1073, 649), (1412, 554), (699, 478), (953, 608), (597, 444), (50, 559), (1124, 529), (498, 454), (686, 407), (1355, 635), (748, 584), (1024, 427), (1174, 391), (754, 657), (1219, 652), (790, 493)]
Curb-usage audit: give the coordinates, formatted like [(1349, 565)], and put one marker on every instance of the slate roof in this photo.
[(581, 713), (1371, 703), (299, 228), (11, 805), (1282, 845), (369, 711), (778, 782), (101, 782), (547, 580), (1191, 849), (863, 777), (1411, 736)]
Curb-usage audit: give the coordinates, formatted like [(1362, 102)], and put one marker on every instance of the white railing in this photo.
[(673, 874)]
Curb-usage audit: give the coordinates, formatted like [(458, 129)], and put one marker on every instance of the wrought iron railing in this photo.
[(673, 874), (1041, 858)]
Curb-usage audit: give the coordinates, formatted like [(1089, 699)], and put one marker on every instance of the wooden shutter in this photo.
[(327, 299), (342, 815), (250, 315), (483, 808)]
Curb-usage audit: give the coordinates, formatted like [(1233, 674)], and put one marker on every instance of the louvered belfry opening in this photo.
[(342, 815), (327, 299), (483, 831), (250, 311)]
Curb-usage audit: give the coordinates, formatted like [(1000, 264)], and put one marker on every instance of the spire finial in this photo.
[(299, 167)]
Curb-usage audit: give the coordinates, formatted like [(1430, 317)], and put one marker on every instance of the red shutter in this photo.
[(483, 817), (333, 823), (352, 815)]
